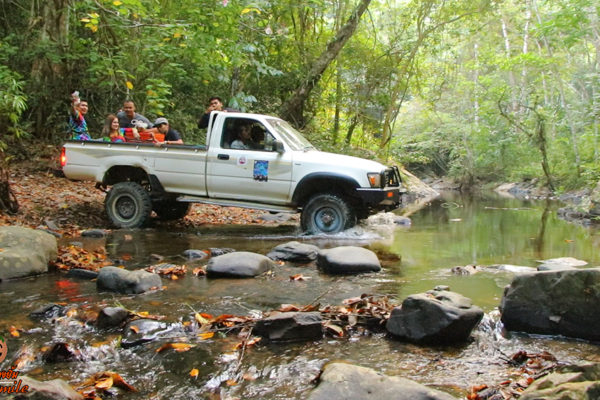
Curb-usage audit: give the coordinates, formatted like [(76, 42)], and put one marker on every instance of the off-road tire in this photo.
[(327, 213), (128, 205), (169, 210)]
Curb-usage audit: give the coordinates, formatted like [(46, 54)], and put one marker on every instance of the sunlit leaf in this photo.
[(206, 335), (179, 347)]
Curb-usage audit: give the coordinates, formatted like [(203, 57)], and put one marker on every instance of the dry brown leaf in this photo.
[(179, 347), (14, 332), (104, 384), (206, 335)]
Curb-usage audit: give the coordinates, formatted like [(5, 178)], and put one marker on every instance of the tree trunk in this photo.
[(51, 22), (293, 108), (8, 200)]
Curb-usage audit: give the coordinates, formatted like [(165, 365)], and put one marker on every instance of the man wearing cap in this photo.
[(171, 135)]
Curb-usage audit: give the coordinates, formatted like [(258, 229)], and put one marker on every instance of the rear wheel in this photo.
[(128, 205), (168, 210), (327, 213)]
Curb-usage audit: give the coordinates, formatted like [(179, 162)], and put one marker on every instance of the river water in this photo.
[(450, 231)]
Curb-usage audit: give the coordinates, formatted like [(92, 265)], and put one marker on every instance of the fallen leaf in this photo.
[(206, 335), (194, 373), (104, 384), (178, 347), (14, 332)]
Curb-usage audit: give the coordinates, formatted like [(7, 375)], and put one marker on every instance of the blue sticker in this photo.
[(261, 171)]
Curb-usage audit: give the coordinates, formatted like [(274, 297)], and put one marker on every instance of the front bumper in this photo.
[(380, 198)]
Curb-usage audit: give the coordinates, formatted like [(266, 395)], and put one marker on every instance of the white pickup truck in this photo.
[(281, 172)]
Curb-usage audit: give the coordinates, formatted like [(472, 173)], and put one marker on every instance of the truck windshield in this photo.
[(292, 137)]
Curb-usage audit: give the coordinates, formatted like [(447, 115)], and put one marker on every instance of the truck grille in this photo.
[(390, 177)]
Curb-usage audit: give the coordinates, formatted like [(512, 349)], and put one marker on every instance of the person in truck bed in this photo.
[(111, 130), (171, 135), (214, 104), (128, 118), (78, 129)]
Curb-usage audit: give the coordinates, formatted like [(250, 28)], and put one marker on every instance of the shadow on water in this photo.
[(451, 231)]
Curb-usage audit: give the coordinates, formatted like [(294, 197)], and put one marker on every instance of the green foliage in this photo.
[(12, 104), (424, 82)]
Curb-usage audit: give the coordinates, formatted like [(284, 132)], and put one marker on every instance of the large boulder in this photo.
[(435, 317), (127, 282), (348, 260), (241, 264), (554, 302), (567, 382), (350, 382), (294, 252), (291, 326), (25, 252)]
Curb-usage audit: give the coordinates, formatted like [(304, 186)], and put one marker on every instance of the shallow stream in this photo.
[(450, 231)]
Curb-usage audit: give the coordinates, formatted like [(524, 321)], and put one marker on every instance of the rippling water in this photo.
[(451, 231)]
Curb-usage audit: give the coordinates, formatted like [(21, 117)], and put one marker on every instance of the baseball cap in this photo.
[(160, 121)]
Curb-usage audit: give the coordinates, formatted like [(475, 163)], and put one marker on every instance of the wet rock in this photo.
[(388, 218), (127, 282), (25, 252), (554, 302), (555, 264), (567, 382), (515, 269), (214, 251), (434, 317), (348, 260), (192, 254), (56, 389), (295, 252), (553, 267), (94, 233), (111, 317), (291, 326), (142, 331), (351, 382), (60, 352), (466, 270), (48, 311), (241, 264), (80, 273)]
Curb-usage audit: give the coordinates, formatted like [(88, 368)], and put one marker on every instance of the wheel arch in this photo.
[(323, 183), (124, 173)]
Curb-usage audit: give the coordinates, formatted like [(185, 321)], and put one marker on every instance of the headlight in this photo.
[(374, 179)]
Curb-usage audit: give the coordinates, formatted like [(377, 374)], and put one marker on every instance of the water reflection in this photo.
[(452, 231)]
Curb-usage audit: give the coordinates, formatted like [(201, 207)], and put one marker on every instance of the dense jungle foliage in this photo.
[(479, 90)]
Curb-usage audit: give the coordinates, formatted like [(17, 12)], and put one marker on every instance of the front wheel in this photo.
[(128, 205), (327, 213)]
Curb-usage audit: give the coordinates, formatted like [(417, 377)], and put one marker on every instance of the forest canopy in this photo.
[(478, 90)]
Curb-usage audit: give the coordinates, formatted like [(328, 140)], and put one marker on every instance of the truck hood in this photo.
[(339, 160), (337, 164)]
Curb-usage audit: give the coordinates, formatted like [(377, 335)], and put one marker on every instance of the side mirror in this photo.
[(278, 146)]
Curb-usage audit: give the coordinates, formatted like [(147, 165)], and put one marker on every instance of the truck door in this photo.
[(248, 168)]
